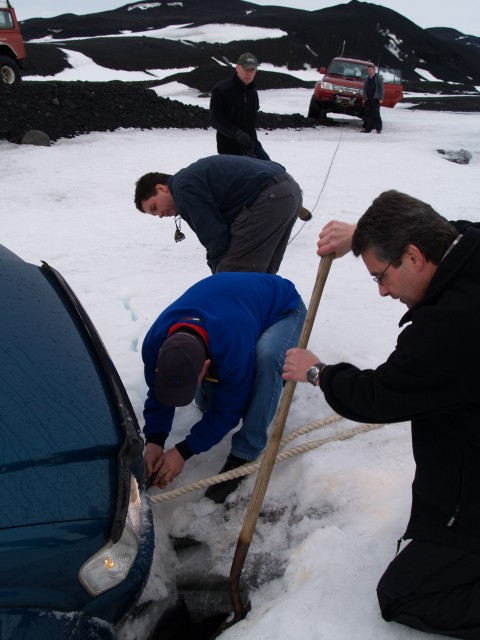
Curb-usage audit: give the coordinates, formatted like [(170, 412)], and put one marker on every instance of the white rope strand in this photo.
[(311, 426), (246, 469)]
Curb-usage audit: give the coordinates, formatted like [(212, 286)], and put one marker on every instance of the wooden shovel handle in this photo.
[(268, 459)]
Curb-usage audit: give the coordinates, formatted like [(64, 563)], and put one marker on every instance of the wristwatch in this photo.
[(313, 374)]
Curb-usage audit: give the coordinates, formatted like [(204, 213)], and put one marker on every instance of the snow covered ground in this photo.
[(332, 516)]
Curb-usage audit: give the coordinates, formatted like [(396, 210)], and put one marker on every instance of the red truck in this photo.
[(341, 88), (12, 48)]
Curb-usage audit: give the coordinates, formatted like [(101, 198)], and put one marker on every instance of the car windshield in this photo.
[(6, 21), (348, 68)]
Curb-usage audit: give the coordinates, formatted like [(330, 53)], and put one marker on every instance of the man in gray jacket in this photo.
[(373, 97)]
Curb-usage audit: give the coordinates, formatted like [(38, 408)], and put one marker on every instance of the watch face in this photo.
[(312, 374)]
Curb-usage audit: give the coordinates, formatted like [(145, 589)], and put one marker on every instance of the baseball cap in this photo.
[(247, 60), (179, 363)]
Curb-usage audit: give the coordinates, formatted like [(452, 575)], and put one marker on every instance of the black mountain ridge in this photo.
[(359, 29)]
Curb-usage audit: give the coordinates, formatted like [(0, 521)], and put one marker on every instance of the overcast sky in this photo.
[(463, 15)]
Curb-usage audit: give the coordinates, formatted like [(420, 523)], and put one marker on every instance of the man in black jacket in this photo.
[(233, 111), (432, 378)]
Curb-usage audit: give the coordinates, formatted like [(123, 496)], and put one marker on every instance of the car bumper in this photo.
[(29, 624)]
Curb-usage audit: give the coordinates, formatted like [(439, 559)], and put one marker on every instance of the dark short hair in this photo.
[(145, 186), (394, 220)]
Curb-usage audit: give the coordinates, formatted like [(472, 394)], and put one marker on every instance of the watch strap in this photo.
[(319, 366)]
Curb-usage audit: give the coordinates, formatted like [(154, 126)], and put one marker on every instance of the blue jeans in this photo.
[(250, 440)]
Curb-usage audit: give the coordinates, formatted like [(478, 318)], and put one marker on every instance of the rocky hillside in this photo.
[(311, 39)]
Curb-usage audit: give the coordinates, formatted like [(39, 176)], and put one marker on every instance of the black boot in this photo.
[(219, 492), (304, 214)]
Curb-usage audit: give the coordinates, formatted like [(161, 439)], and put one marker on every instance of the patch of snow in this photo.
[(426, 75)]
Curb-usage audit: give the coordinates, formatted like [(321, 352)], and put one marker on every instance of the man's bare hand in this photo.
[(170, 467), (152, 458), (335, 237), (297, 363)]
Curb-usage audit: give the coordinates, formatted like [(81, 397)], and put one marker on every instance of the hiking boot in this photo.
[(219, 492), (304, 214)]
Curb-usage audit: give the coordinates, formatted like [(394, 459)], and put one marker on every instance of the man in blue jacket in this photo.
[(232, 329), (431, 378), (242, 209)]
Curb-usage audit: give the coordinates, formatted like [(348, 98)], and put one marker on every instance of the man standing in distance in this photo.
[(233, 111), (373, 93)]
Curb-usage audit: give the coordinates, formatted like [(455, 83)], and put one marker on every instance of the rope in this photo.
[(324, 182), (311, 426), (331, 164), (246, 469)]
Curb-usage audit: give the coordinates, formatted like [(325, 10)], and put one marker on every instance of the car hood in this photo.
[(59, 427)]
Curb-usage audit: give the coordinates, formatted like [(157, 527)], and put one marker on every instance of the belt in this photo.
[(276, 179)]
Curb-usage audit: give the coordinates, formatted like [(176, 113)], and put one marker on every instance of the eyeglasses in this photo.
[(379, 279)]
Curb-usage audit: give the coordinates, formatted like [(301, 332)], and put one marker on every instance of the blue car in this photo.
[(76, 532)]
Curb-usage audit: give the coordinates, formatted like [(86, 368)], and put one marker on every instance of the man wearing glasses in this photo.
[(432, 378)]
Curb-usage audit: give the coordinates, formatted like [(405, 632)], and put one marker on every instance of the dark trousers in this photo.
[(259, 234), (433, 588), (230, 147), (259, 152), (372, 118)]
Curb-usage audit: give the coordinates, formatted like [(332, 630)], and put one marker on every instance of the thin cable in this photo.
[(324, 182), (331, 164)]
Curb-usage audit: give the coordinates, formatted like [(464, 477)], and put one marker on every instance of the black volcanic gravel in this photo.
[(68, 109)]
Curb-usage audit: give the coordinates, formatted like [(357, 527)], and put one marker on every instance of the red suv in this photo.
[(341, 89), (12, 49)]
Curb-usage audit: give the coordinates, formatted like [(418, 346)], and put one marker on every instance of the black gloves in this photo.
[(243, 139)]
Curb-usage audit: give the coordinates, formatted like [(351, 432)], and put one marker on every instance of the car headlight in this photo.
[(326, 85), (109, 566)]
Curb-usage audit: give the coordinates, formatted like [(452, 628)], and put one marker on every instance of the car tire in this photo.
[(315, 110), (9, 71)]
